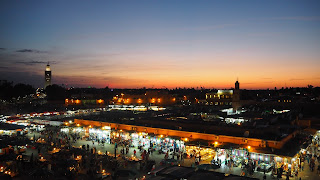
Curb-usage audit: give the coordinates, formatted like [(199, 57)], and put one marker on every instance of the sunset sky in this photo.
[(174, 43)]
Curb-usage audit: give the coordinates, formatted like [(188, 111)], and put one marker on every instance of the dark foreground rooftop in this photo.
[(177, 172)]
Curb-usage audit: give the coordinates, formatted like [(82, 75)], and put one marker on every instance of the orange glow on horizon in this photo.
[(207, 74)]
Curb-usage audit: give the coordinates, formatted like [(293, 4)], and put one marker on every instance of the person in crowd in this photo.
[(296, 174), (287, 176)]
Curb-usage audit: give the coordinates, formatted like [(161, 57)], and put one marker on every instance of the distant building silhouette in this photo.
[(47, 76), (221, 97), (225, 97), (150, 97)]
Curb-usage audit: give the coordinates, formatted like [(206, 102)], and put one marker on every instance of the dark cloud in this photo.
[(2, 49), (35, 62), (23, 77), (30, 51)]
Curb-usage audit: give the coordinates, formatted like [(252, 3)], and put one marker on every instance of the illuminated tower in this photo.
[(236, 97), (47, 76)]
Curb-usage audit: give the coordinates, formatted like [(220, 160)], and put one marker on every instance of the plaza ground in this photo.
[(304, 175)]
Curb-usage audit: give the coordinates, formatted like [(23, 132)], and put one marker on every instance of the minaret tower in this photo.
[(47, 76), (236, 96), (237, 85)]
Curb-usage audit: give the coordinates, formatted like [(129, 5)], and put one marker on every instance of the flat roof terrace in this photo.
[(270, 132), (191, 135)]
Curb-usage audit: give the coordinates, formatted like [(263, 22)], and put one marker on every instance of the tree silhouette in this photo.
[(22, 90), (6, 88), (8, 91), (56, 93)]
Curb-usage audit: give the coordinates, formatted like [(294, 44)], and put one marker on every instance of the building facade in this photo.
[(150, 97), (221, 97)]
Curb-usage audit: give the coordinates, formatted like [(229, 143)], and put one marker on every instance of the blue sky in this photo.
[(161, 43)]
